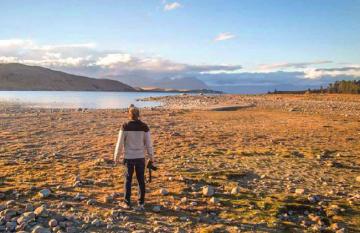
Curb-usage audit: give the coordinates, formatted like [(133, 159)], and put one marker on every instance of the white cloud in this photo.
[(224, 36), (312, 73), (113, 59), (172, 6), (288, 65), (85, 59)]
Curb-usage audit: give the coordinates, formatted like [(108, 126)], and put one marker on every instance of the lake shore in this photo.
[(227, 163)]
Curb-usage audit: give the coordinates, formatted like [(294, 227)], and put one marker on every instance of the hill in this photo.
[(19, 77)]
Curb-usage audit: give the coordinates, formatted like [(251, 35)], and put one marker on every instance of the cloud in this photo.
[(224, 36), (112, 59), (85, 59), (353, 72), (285, 65), (172, 6)]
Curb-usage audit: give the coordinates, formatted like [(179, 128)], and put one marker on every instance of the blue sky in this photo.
[(261, 33)]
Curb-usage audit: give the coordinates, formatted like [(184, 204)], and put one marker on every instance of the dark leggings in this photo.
[(139, 166)]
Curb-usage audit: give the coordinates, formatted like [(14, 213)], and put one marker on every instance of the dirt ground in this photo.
[(287, 164)]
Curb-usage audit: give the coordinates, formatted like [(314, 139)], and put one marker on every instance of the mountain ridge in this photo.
[(20, 77)]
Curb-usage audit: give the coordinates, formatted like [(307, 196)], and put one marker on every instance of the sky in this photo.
[(228, 44)]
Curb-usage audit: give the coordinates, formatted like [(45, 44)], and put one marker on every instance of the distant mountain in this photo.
[(157, 89), (166, 83), (21, 77)]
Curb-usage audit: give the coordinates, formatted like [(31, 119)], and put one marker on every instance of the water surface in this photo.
[(80, 99)]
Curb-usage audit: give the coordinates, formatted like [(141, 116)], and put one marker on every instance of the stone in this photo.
[(358, 179), (8, 213), (41, 211), (10, 203), (163, 191), (26, 218), (96, 222), (91, 202), (184, 200), (10, 226), (214, 200), (108, 199), (29, 207), (44, 193), (235, 190), (77, 184), (79, 197), (208, 191), (40, 229), (156, 208), (300, 191), (53, 223)]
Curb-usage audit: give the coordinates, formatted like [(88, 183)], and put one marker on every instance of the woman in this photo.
[(134, 139)]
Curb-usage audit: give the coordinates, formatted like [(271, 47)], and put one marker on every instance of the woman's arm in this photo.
[(149, 146), (119, 146)]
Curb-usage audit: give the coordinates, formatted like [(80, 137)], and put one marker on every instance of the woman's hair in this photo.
[(134, 112)]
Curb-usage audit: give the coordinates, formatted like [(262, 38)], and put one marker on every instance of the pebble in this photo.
[(299, 191), (235, 190), (214, 200), (163, 191), (156, 208), (44, 193), (53, 223), (40, 229), (41, 211), (208, 191)]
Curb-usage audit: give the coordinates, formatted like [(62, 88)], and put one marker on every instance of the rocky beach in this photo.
[(227, 163)]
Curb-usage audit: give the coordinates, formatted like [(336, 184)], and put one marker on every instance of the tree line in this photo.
[(345, 87)]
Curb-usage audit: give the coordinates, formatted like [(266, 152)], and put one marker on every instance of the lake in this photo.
[(80, 99)]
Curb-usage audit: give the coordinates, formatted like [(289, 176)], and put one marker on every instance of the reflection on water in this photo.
[(81, 99)]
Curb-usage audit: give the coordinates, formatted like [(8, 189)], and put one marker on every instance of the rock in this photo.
[(208, 191), (10, 203), (193, 203), (96, 222), (179, 230), (44, 193), (41, 211), (163, 191), (156, 208), (108, 199), (29, 207), (8, 213), (314, 198), (183, 200), (342, 230), (26, 218), (77, 184), (91, 202), (358, 179), (214, 200), (10, 226), (235, 190), (300, 191), (79, 197), (53, 223), (40, 229)]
